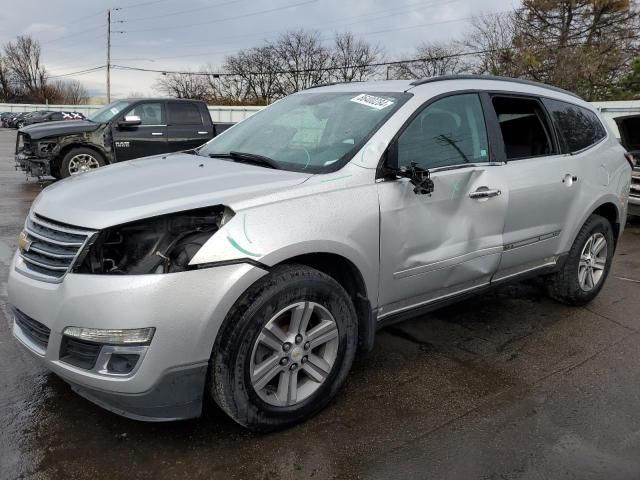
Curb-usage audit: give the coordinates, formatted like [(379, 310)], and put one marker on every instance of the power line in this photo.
[(381, 14), (180, 12), (81, 72), (141, 4), (442, 22), (245, 15)]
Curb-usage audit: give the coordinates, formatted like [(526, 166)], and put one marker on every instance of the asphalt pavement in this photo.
[(508, 385)]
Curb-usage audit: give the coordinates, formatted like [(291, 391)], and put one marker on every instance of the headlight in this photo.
[(139, 336), (163, 244)]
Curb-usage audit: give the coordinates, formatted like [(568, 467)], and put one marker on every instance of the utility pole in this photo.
[(109, 56), (109, 32)]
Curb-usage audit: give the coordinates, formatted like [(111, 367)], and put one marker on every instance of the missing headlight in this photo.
[(163, 244)]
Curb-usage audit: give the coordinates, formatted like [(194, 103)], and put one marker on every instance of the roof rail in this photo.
[(330, 84), (422, 81)]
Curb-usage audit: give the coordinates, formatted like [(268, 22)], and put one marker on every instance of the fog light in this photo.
[(113, 336), (122, 363)]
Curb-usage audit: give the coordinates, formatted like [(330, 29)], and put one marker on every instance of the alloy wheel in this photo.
[(593, 261), (83, 162), (294, 354)]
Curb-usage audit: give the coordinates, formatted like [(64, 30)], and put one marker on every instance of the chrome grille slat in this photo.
[(53, 248)]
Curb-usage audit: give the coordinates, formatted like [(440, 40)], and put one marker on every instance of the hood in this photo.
[(629, 128), (54, 129), (157, 185)]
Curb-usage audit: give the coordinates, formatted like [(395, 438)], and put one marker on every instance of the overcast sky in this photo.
[(184, 35)]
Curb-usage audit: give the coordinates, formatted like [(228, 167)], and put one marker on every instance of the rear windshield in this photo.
[(310, 132)]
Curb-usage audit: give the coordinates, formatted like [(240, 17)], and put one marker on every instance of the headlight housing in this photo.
[(163, 244)]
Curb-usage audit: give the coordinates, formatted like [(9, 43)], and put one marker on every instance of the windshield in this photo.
[(310, 132), (107, 112)]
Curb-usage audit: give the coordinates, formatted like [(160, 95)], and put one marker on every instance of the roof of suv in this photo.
[(511, 84)]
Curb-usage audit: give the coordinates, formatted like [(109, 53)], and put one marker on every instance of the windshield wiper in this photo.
[(244, 157)]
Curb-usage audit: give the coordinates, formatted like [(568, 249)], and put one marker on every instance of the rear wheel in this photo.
[(284, 350), (80, 160), (587, 265)]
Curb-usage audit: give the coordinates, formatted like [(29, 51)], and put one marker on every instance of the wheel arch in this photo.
[(347, 274)]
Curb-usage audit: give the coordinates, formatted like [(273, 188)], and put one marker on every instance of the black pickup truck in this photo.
[(122, 130)]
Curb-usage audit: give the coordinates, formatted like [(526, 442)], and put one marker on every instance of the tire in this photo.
[(573, 284), (79, 160), (235, 382)]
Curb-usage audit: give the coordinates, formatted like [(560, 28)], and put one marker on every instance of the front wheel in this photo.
[(587, 265), (285, 349), (79, 160)]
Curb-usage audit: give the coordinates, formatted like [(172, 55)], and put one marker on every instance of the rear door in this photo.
[(544, 184), (186, 125), (432, 246), (148, 138)]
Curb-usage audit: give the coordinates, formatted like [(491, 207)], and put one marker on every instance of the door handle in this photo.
[(485, 193), (157, 134), (569, 179), (202, 133)]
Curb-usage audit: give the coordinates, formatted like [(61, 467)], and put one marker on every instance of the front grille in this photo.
[(79, 353), (33, 330), (51, 247)]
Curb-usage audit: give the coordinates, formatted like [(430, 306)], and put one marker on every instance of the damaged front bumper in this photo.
[(28, 161), (186, 309)]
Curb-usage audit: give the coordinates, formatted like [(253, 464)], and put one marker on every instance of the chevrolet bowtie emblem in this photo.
[(23, 242)]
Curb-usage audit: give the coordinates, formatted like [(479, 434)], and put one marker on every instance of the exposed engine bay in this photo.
[(164, 244)]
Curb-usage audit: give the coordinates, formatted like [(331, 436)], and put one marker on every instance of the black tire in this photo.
[(564, 285), (230, 382), (63, 170)]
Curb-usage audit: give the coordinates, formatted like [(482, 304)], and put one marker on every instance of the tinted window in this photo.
[(149, 113), (450, 131), (56, 116), (525, 132), (184, 114), (578, 127)]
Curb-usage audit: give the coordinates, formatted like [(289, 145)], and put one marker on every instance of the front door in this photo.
[(432, 246), (148, 138)]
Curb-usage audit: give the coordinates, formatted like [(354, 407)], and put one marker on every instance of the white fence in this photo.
[(218, 113), (609, 110)]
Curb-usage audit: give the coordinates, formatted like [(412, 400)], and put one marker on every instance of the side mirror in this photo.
[(130, 121), (418, 177)]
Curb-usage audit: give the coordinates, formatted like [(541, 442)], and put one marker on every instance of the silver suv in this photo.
[(254, 268)]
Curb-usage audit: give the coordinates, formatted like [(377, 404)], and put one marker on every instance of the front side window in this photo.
[(448, 132), (149, 113), (524, 128), (578, 127), (313, 132), (184, 114)]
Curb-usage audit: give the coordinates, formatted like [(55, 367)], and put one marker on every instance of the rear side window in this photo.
[(56, 116), (579, 128), (184, 114), (524, 128)]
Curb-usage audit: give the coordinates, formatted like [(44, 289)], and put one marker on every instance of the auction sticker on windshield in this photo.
[(372, 101)]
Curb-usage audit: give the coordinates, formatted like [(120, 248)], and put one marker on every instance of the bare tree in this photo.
[(184, 85), (491, 41), (7, 82), (72, 92), (433, 60), (302, 60), (23, 60), (258, 70), (352, 57)]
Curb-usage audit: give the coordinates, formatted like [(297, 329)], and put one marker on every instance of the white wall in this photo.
[(609, 110), (218, 113)]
